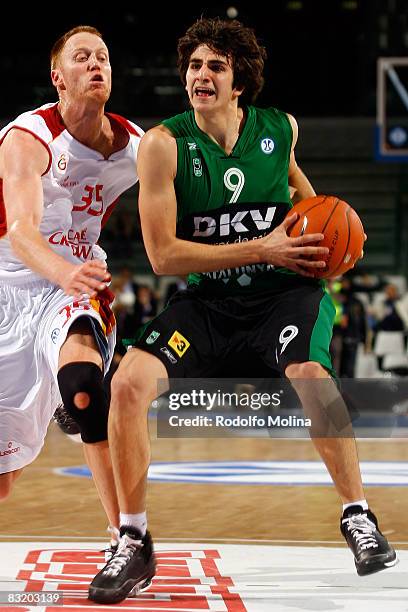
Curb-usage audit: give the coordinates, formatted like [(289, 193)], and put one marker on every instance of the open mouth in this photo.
[(204, 92), (97, 78)]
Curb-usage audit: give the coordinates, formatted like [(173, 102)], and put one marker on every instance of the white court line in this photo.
[(102, 538)]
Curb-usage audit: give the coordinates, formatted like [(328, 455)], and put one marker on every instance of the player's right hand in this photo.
[(86, 279), (296, 254)]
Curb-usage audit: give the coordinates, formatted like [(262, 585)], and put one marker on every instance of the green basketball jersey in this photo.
[(225, 199)]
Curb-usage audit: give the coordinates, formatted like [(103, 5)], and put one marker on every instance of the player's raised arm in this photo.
[(157, 165), (24, 159)]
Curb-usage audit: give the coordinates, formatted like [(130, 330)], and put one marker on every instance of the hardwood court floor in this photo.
[(46, 504)]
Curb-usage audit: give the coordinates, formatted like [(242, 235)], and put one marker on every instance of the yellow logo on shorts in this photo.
[(178, 343)]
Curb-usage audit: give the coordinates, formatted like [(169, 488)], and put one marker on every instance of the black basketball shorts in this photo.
[(252, 335)]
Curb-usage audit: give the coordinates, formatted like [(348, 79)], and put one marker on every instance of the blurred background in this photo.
[(322, 68)]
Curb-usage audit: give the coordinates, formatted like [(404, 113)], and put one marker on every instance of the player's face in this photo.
[(83, 70), (209, 80)]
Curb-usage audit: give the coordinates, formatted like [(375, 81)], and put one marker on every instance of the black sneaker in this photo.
[(370, 548), (65, 422), (129, 571), (114, 543), (109, 552)]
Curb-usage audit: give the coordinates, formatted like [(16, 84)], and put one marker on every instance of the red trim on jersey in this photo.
[(3, 220), (125, 123), (23, 129), (108, 212), (52, 119)]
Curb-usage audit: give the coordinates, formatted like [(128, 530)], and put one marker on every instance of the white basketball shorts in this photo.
[(35, 317)]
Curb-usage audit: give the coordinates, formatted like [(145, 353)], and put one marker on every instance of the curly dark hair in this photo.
[(232, 40)]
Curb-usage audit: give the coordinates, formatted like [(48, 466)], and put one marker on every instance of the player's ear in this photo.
[(237, 91), (57, 80)]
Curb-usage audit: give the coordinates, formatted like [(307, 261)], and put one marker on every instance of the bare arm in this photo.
[(157, 165), (23, 160), (298, 181)]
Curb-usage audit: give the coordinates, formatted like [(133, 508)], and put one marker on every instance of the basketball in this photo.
[(342, 229)]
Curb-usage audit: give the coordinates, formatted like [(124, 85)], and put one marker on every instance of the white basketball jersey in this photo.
[(80, 188)]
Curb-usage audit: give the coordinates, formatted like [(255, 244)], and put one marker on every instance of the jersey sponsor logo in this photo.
[(192, 146), (197, 167), (243, 275), (76, 240), (9, 450), (178, 343), (168, 354), (68, 183), (153, 337), (242, 221), (62, 163), (267, 145)]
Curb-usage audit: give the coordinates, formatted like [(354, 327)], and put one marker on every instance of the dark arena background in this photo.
[(246, 519)]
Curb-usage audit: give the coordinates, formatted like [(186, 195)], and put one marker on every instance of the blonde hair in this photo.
[(60, 43)]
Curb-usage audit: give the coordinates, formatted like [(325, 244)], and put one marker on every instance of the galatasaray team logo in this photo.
[(62, 163), (178, 343)]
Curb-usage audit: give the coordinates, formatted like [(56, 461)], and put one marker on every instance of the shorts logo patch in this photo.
[(168, 354), (178, 343), (54, 334), (10, 449), (153, 337)]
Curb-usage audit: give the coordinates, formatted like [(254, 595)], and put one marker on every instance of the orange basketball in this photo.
[(342, 229)]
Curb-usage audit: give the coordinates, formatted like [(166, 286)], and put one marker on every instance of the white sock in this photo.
[(114, 535), (359, 502), (139, 521)]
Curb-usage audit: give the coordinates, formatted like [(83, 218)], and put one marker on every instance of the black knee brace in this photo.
[(85, 377)]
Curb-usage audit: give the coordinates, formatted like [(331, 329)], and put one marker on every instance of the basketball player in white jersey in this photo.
[(62, 167)]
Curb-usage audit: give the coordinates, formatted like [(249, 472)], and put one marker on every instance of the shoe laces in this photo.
[(362, 530), (126, 549), (114, 542)]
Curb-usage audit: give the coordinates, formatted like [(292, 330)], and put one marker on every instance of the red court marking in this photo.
[(174, 587)]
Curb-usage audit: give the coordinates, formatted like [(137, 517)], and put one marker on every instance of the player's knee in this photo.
[(132, 390), (81, 400), (81, 388), (124, 387), (6, 484), (306, 370)]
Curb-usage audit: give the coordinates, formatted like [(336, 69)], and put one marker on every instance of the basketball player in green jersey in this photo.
[(214, 193)]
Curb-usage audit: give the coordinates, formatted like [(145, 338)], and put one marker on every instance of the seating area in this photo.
[(389, 355)]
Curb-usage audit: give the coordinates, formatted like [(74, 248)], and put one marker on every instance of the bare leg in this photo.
[(134, 387), (98, 458), (338, 446), (6, 482), (80, 345)]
